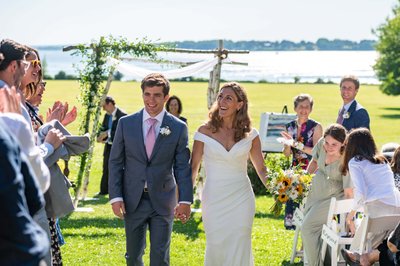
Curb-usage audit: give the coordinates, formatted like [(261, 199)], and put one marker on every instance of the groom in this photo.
[(149, 157)]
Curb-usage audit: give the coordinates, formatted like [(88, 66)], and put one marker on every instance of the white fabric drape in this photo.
[(139, 72)]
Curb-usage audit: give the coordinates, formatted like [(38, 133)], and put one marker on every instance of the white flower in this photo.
[(346, 115), (293, 194), (165, 131)]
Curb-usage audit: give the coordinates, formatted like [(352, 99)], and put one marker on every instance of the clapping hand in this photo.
[(286, 138), (70, 116), (57, 112), (10, 101)]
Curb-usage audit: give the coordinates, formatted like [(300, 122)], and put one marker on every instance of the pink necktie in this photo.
[(151, 136), (339, 119)]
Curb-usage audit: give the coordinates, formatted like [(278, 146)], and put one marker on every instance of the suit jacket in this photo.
[(168, 165), (358, 117), (58, 199), (22, 241), (107, 117)]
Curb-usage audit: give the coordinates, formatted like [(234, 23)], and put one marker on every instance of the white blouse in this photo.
[(373, 182)]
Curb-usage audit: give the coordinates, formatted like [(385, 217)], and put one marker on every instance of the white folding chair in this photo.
[(334, 231), (298, 217), (374, 226)]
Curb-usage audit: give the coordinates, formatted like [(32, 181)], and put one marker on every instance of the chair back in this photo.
[(375, 226), (334, 231)]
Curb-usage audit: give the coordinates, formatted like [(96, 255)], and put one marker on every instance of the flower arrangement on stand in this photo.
[(293, 184)]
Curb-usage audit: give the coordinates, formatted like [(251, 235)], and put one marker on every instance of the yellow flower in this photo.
[(299, 189), (286, 182), (283, 197)]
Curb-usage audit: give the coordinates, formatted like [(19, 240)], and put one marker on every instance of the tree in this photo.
[(387, 66), (61, 75)]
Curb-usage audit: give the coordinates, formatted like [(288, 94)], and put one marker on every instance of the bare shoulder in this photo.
[(205, 129)]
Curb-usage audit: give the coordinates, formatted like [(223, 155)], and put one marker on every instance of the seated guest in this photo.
[(174, 106), (395, 165), (327, 182), (374, 188), (388, 149)]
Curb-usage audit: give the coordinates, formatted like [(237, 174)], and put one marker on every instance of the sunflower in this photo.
[(283, 197), (286, 182), (299, 189)]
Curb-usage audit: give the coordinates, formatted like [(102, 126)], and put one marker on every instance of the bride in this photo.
[(225, 142)]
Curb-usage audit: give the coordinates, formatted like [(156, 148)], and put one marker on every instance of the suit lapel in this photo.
[(352, 107), (139, 125), (167, 122)]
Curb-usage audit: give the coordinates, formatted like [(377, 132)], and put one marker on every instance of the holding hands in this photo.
[(182, 212), (118, 209)]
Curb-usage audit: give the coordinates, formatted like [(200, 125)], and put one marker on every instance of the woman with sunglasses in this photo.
[(31, 84)]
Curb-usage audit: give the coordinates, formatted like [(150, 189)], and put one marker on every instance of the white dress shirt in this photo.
[(22, 132), (373, 182), (346, 107), (157, 126)]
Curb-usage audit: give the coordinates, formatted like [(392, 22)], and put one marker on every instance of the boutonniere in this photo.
[(165, 131), (346, 115)]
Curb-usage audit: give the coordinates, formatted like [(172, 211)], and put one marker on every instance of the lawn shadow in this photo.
[(101, 200), (92, 235), (393, 115), (78, 223), (191, 229), (287, 263), (391, 108), (268, 215)]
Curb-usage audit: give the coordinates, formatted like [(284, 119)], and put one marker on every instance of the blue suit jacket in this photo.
[(22, 241), (168, 165), (358, 117)]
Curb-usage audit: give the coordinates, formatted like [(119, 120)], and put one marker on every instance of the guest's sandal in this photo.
[(349, 260)]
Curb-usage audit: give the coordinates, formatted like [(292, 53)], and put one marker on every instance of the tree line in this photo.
[(321, 44)]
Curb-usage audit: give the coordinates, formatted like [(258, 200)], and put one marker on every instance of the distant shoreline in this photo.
[(322, 44)]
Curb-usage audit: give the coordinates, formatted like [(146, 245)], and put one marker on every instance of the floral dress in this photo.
[(397, 180), (306, 137)]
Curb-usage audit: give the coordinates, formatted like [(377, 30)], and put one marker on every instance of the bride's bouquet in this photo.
[(291, 184)]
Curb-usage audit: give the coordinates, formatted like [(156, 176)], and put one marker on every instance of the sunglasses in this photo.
[(35, 63), (25, 64)]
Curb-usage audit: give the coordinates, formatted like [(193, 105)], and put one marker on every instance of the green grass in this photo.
[(97, 238)]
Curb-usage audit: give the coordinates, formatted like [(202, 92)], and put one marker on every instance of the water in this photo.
[(282, 66)]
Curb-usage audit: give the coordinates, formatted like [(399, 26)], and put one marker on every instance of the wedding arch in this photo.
[(99, 62)]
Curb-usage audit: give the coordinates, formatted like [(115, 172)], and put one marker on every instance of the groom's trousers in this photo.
[(160, 228)]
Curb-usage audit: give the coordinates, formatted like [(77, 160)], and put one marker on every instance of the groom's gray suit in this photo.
[(129, 169)]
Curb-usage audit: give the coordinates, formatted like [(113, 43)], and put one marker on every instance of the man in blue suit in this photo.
[(149, 157), (22, 241), (352, 114)]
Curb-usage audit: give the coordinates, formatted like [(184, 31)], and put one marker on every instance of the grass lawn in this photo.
[(97, 238)]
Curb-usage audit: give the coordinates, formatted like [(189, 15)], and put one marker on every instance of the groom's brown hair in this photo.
[(156, 80)]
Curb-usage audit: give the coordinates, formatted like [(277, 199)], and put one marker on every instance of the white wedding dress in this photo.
[(228, 204)]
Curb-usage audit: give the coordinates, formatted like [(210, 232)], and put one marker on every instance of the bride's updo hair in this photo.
[(241, 122)]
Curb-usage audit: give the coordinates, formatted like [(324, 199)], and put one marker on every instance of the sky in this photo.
[(48, 22)]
